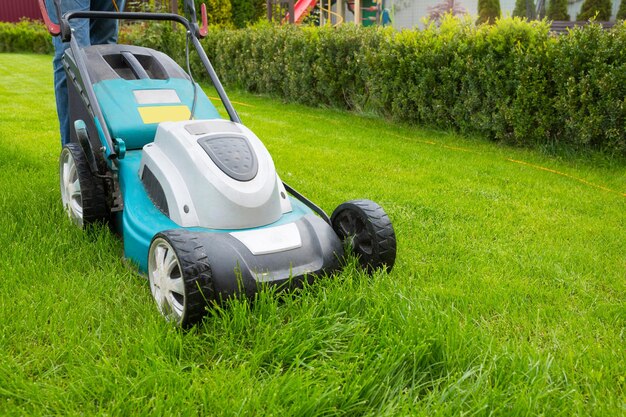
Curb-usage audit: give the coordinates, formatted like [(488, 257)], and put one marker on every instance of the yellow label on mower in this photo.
[(158, 114)]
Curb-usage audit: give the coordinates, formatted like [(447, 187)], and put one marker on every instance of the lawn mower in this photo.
[(196, 198)]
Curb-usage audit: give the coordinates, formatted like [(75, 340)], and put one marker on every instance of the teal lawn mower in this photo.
[(196, 198)]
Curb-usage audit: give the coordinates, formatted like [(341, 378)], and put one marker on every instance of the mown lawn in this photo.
[(508, 295)]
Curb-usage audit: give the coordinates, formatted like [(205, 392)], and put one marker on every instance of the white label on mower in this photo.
[(270, 240), (156, 96)]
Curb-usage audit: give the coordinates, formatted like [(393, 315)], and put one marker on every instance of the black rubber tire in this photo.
[(195, 271), (364, 226), (92, 191)]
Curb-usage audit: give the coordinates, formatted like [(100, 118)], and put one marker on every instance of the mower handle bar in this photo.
[(63, 28), (126, 16)]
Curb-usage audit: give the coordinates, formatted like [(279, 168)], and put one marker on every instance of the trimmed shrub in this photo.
[(591, 95), (25, 36), (598, 9), (512, 82), (488, 11), (557, 10)]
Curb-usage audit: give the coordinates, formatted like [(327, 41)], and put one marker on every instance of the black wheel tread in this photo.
[(381, 232), (92, 191), (196, 273)]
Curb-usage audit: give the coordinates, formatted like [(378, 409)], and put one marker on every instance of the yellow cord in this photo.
[(234, 102), (117, 9), (566, 175), (553, 171)]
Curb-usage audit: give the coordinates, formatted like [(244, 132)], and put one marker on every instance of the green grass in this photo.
[(508, 295)]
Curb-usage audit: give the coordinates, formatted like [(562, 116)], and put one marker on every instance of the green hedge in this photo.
[(513, 82), (25, 36)]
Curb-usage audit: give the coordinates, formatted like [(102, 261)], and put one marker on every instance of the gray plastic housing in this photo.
[(198, 192)]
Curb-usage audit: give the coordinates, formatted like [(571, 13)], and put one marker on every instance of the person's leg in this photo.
[(81, 34), (104, 31)]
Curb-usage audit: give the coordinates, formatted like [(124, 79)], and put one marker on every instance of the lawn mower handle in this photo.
[(53, 28), (63, 27), (66, 35), (64, 21), (190, 10)]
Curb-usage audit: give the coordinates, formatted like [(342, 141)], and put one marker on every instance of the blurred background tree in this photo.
[(488, 11), (600, 9), (525, 8), (557, 10)]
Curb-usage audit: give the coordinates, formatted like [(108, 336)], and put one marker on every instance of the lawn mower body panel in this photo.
[(234, 253), (236, 269), (214, 174), (134, 108), (136, 89)]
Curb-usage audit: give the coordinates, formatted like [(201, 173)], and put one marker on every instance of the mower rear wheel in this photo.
[(365, 227), (180, 277), (82, 193)]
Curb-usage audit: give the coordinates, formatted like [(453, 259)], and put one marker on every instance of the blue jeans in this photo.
[(86, 33)]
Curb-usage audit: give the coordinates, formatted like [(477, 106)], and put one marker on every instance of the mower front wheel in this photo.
[(82, 193), (180, 277), (365, 228)]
